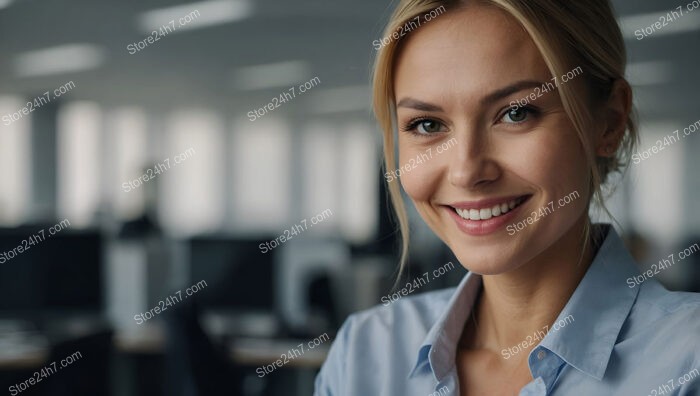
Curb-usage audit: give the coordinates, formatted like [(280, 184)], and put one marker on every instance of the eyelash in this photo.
[(532, 111), (412, 124)]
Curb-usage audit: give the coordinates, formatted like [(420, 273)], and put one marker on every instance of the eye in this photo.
[(516, 115), (424, 126)]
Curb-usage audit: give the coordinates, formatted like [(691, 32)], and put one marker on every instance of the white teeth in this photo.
[(473, 214), (487, 213)]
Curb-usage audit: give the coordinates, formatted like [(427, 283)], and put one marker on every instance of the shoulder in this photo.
[(401, 323), (420, 309), (666, 320), (659, 343), (383, 340), (659, 304)]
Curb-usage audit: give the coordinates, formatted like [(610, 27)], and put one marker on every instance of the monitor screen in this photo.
[(238, 275), (42, 273)]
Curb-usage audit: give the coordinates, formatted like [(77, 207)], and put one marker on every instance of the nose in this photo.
[(471, 165)]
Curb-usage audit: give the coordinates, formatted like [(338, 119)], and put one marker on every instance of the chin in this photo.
[(487, 260)]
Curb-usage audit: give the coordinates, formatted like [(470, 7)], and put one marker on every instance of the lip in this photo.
[(485, 227)]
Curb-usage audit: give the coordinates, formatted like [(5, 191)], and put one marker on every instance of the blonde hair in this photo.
[(567, 34)]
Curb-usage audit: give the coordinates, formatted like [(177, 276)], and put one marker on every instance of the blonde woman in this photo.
[(532, 94)]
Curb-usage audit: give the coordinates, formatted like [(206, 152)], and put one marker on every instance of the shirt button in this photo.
[(541, 354)]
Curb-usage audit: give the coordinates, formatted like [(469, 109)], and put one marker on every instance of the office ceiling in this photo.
[(334, 37)]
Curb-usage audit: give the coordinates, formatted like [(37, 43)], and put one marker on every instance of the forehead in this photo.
[(467, 50)]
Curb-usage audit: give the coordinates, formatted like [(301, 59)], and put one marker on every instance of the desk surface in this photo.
[(25, 360), (260, 352), (19, 351), (21, 348), (150, 339), (145, 339)]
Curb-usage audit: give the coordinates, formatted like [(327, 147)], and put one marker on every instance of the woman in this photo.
[(533, 96)]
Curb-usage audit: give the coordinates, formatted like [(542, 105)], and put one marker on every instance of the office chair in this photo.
[(195, 365), (88, 374)]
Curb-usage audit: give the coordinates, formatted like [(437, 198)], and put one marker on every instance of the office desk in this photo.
[(22, 349), (149, 338), (260, 352), (145, 339), (10, 360)]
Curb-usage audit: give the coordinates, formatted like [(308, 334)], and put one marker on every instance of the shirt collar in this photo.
[(599, 307), (438, 350)]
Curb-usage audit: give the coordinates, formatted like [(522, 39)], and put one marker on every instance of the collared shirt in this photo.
[(613, 337)]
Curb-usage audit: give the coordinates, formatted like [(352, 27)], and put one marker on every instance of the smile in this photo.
[(492, 210)]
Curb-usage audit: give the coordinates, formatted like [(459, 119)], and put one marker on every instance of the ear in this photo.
[(616, 111)]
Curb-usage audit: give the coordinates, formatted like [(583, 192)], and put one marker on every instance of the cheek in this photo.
[(420, 174), (554, 160)]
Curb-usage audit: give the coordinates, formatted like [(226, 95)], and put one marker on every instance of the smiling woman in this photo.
[(461, 78)]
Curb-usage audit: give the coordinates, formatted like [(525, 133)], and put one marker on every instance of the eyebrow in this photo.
[(490, 98)]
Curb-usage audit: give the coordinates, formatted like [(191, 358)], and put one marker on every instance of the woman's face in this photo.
[(484, 168)]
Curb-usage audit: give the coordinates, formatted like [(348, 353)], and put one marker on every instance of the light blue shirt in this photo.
[(620, 338)]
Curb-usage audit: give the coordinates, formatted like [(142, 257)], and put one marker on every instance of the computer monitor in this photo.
[(238, 275), (51, 274)]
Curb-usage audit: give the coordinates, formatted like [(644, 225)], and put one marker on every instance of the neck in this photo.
[(520, 303)]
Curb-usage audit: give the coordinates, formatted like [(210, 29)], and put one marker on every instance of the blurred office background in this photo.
[(223, 181)]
